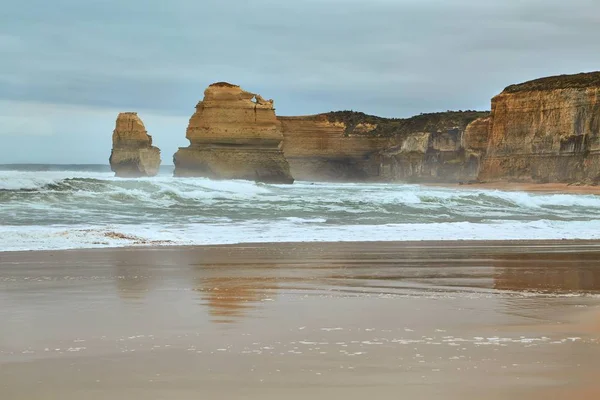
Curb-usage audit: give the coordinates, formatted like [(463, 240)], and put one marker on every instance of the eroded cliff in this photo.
[(133, 154), (234, 134), (546, 130), (348, 146), (320, 148)]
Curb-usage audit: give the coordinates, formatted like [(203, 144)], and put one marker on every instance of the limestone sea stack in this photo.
[(234, 134), (133, 154), (546, 130)]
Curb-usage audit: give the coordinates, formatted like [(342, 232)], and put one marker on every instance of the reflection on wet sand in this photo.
[(435, 320), (552, 272), (230, 296)]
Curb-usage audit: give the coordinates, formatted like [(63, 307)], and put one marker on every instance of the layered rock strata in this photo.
[(234, 134), (350, 146), (476, 136), (475, 143), (546, 130), (319, 148), (133, 154)]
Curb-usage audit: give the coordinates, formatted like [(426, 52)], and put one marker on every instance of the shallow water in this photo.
[(60, 208), (434, 320)]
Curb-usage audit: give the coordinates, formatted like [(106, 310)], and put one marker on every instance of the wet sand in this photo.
[(527, 187), (427, 320)]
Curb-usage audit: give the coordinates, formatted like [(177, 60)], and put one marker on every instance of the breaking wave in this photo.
[(66, 209)]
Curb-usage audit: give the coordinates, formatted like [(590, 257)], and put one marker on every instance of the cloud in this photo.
[(62, 133), (385, 57)]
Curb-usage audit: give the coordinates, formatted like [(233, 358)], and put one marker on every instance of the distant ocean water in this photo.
[(84, 206)]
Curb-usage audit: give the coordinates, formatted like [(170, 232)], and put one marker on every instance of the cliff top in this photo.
[(129, 121), (577, 81), (130, 131), (431, 122), (224, 84)]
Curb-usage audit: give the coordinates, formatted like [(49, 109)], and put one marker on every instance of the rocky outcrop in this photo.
[(133, 154), (546, 130), (476, 136), (474, 143), (432, 148), (319, 147), (350, 146), (234, 134)]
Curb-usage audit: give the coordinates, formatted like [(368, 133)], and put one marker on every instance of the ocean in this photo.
[(85, 206)]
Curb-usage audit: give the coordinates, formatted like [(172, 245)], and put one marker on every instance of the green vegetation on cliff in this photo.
[(432, 122), (577, 81)]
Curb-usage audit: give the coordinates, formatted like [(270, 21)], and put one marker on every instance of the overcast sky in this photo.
[(67, 67)]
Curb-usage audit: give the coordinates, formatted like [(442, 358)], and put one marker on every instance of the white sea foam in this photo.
[(70, 209), (69, 237)]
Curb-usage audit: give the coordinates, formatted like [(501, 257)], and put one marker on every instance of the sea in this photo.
[(46, 207)]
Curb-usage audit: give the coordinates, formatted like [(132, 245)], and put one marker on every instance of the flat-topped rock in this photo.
[(234, 134), (583, 80), (546, 130)]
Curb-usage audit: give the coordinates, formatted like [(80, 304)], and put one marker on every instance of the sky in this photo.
[(68, 67)]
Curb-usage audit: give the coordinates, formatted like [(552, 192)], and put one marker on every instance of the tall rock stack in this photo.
[(133, 154), (234, 134), (546, 130)]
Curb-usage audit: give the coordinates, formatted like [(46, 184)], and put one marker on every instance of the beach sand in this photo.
[(426, 320), (527, 187)]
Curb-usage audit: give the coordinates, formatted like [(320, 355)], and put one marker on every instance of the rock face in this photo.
[(350, 146), (546, 130), (133, 154), (234, 134), (318, 148), (432, 148), (476, 136), (475, 143)]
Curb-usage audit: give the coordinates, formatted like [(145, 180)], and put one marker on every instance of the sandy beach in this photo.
[(526, 187), (433, 320)]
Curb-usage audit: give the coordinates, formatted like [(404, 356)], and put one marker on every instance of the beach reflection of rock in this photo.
[(548, 272), (231, 297)]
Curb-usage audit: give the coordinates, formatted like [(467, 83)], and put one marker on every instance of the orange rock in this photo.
[(476, 135), (318, 148), (547, 130), (353, 146), (133, 154), (234, 134)]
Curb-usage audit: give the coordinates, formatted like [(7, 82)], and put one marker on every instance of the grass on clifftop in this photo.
[(432, 122), (577, 81)]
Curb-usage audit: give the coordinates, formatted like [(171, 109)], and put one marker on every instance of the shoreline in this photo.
[(405, 244), (549, 188)]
